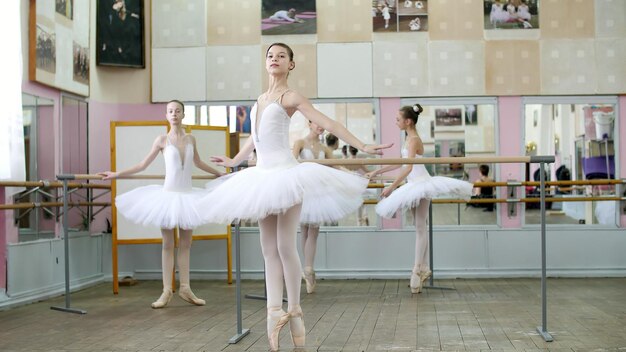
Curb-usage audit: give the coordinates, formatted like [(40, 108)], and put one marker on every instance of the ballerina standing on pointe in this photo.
[(172, 205), (416, 193), (280, 192), (310, 148)]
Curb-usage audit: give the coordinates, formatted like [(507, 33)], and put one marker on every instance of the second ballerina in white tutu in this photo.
[(417, 192), (173, 205)]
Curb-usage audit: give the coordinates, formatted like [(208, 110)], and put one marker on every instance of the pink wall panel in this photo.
[(3, 245), (389, 133), (100, 116), (510, 140), (622, 145)]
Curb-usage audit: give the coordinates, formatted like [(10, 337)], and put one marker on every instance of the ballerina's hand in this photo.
[(370, 174), (107, 175), (222, 161), (376, 148), (386, 192)]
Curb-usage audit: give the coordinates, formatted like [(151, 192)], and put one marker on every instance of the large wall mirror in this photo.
[(39, 145), (457, 128), (580, 133), (75, 155)]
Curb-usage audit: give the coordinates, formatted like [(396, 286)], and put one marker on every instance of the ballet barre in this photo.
[(541, 160)]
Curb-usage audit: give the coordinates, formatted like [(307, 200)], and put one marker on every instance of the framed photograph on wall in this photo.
[(448, 117), (59, 44), (511, 14), (400, 15), (288, 17), (120, 33)]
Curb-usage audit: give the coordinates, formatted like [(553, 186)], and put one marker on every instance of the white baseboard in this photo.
[(48, 292)]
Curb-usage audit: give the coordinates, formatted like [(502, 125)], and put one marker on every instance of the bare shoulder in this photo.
[(190, 138), (292, 99), (160, 141)]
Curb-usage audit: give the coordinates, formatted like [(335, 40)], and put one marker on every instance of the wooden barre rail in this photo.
[(52, 184), (50, 204), (515, 200)]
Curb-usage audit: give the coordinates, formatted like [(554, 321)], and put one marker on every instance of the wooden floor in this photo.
[(343, 315)]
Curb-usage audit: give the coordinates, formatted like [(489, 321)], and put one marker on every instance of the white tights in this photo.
[(167, 256), (309, 243), (422, 254), (280, 252)]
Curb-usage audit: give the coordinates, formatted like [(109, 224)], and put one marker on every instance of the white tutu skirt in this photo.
[(326, 194), (153, 206), (409, 195)]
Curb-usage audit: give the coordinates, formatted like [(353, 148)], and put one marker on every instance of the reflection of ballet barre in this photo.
[(139, 177), (429, 160), (521, 200)]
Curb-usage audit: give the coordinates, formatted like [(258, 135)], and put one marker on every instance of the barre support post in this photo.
[(66, 244)]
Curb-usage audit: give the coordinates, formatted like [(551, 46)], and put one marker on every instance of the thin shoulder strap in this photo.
[(280, 98)]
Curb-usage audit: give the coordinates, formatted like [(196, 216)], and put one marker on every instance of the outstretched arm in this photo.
[(302, 104), (413, 146), (382, 170), (297, 148), (199, 163), (156, 148), (243, 154)]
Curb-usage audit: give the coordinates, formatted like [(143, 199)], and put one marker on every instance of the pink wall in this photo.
[(510, 123), (622, 146), (3, 245), (100, 117), (389, 133)]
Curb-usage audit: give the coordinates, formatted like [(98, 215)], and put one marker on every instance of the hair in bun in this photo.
[(412, 112)]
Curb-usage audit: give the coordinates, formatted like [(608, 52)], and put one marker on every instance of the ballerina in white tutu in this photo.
[(173, 205), (280, 192), (417, 192), (310, 148)]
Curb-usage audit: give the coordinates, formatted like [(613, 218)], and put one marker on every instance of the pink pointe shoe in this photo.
[(416, 282), (187, 295), (296, 325), (165, 298), (424, 275), (276, 320), (309, 279)]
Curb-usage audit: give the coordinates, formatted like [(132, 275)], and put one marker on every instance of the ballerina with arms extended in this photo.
[(280, 192), (172, 205)]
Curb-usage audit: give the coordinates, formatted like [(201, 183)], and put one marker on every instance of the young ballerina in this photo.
[(417, 192), (280, 192), (173, 205), (310, 148)]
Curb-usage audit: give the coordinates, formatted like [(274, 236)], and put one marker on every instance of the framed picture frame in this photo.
[(120, 33), (448, 117), (280, 17), (59, 44)]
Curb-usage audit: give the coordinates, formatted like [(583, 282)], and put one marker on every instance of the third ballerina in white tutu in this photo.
[(417, 192)]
